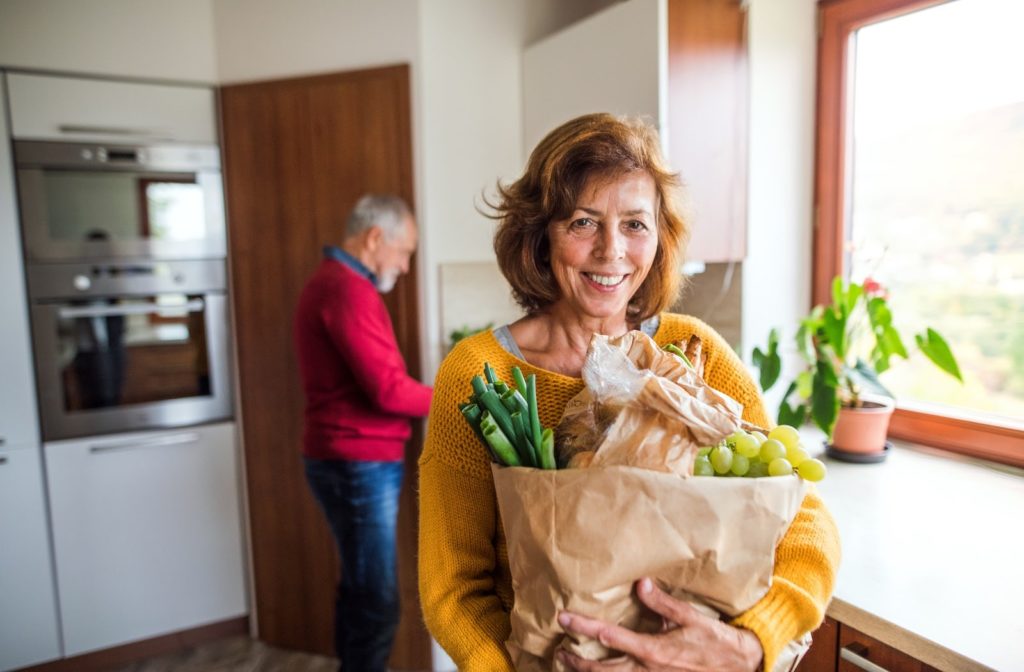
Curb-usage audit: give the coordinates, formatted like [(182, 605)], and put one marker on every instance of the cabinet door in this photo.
[(147, 534), (28, 607), (79, 109), (858, 652), (707, 119), (821, 657), (18, 415)]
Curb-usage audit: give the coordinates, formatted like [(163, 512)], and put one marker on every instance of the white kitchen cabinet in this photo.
[(683, 65), (28, 606), (147, 534), (80, 109), (19, 420)]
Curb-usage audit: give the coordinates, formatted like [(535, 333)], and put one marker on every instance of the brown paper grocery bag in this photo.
[(578, 539)]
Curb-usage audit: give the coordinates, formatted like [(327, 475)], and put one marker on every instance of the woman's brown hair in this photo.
[(594, 145)]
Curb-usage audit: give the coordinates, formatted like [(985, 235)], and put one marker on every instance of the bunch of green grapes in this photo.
[(752, 454)]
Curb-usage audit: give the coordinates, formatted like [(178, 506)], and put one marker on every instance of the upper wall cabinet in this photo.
[(681, 63), (78, 109)]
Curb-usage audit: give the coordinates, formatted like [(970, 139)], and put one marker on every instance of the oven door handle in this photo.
[(70, 312), (172, 440)]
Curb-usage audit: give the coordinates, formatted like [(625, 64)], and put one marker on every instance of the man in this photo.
[(359, 399)]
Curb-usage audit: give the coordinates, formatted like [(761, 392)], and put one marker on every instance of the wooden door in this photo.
[(298, 153)]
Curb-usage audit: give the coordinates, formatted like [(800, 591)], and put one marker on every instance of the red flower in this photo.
[(874, 288)]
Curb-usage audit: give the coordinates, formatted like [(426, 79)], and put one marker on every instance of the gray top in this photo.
[(504, 336)]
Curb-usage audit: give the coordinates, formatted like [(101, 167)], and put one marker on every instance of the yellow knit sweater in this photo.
[(465, 585)]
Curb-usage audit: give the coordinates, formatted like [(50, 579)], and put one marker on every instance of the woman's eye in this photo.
[(582, 224), (636, 225)]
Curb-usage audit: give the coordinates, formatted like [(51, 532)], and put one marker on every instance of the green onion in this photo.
[(547, 450), (517, 374), (531, 402), (668, 347), (473, 416), (527, 455), (514, 402), (507, 420), (492, 402), (498, 442), (479, 386)]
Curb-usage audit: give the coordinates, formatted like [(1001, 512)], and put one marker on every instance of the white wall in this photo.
[(610, 62), (471, 127), (470, 134), (267, 39), (777, 271), (152, 39)]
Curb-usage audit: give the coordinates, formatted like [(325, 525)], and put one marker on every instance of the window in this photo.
[(920, 185)]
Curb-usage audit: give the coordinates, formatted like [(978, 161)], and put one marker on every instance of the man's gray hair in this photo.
[(382, 210)]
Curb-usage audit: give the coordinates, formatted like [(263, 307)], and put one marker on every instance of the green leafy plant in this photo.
[(466, 331), (845, 346)]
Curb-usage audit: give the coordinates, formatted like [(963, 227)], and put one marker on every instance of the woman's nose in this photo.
[(611, 244)]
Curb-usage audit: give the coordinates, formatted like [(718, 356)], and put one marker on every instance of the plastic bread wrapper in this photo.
[(643, 407), (578, 539)]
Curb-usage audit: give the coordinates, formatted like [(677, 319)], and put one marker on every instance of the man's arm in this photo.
[(359, 326)]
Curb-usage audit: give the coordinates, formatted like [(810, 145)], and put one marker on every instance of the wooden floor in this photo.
[(236, 654)]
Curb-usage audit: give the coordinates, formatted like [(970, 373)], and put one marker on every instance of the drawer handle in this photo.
[(173, 440), (859, 661), (3, 460), (110, 130)]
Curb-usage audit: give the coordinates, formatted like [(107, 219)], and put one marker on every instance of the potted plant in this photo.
[(845, 345)]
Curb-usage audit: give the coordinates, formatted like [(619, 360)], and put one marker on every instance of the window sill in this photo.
[(930, 554)]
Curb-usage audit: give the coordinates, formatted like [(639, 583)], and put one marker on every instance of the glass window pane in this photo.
[(134, 351), (937, 187)]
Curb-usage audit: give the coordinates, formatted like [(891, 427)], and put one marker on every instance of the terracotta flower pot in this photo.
[(863, 430)]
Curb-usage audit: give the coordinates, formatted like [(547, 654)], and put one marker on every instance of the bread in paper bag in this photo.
[(642, 407)]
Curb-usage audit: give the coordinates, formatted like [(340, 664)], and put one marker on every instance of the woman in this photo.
[(590, 240)]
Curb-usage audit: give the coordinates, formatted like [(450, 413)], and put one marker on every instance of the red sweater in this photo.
[(359, 397)]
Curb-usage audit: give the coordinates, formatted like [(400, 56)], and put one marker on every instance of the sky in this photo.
[(942, 62)]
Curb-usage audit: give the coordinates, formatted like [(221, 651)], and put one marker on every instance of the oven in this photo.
[(85, 201), (128, 345)]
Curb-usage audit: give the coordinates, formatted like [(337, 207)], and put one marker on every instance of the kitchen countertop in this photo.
[(933, 556)]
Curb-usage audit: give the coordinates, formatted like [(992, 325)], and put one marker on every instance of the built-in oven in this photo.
[(84, 201), (127, 345)]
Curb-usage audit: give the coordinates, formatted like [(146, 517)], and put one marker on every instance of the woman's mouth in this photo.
[(604, 282)]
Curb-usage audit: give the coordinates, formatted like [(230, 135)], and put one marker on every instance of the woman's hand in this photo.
[(689, 641)]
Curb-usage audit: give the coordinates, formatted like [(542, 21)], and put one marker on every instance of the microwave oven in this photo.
[(86, 201)]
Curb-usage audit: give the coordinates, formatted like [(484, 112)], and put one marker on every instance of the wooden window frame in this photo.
[(837, 21)]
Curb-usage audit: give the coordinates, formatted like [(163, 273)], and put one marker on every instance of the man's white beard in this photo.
[(386, 281)]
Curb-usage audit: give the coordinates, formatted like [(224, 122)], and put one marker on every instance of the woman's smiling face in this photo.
[(601, 253)]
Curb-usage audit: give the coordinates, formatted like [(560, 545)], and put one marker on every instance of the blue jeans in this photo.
[(360, 500)]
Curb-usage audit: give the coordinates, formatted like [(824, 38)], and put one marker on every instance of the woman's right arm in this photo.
[(457, 534)]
